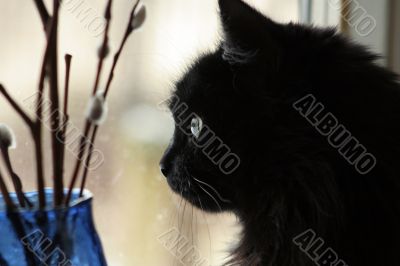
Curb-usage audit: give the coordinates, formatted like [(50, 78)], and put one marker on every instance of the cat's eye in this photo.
[(196, 126)]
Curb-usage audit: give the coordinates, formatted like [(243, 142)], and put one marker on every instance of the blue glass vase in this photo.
[(53, 237)]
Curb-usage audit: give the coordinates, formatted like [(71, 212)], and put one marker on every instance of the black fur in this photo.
[(290, 179)]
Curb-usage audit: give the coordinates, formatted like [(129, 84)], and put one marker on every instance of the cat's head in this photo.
[(232, 107)]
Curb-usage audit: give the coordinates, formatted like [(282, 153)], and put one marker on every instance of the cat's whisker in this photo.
[(176, 217), (191, 228), (209, 194), (182, 220), (205, 218), (175, 211), (180, 229), (213, 189), (197, 225)]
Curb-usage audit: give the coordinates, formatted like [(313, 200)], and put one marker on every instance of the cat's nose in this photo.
[(164, 170), (166, 161)]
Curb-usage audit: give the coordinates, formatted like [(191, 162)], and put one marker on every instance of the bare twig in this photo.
[(22, 199), (15, 179), (37, 129), (6, 195), (44, 15), (78, 163), (55, 118), (87, 160), (27, 201), (68, 59), (16, 106)]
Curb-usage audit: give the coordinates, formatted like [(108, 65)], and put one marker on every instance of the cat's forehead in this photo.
[(188, 92), (202, 79)]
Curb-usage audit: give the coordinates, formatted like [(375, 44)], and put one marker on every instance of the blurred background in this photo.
[(135, 211)]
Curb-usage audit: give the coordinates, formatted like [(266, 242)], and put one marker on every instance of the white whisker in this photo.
[(216, 202), (213, 189), (205, 218)]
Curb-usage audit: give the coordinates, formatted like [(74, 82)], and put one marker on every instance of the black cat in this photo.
[(251, 139)]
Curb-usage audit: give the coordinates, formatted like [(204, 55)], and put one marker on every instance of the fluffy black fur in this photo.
[(290, 179)]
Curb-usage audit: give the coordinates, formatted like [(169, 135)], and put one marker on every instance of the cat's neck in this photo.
[(253, 246), (266, 242), (273, 215)]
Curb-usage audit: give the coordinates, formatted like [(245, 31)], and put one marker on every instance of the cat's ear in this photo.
[(246, 30)]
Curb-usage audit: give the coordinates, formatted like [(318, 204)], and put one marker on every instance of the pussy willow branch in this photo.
[(37, 139), (35, 131), (129, 30), (102, 56), (57, 146), (117, 55), (87, 127), (104, 46)]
